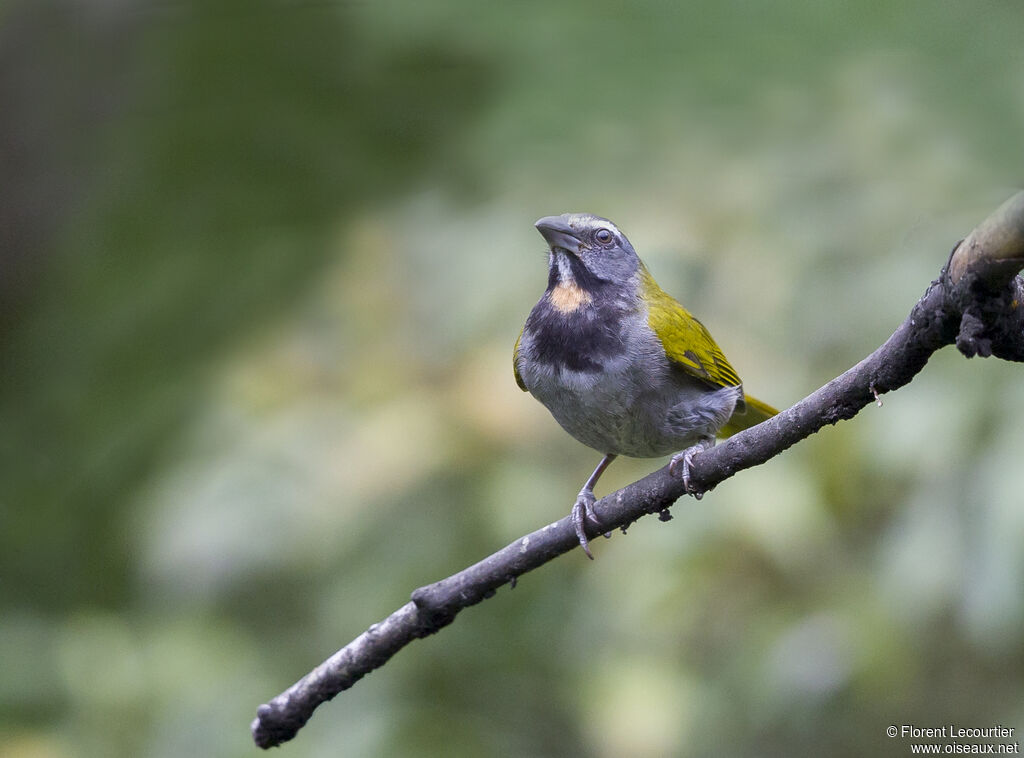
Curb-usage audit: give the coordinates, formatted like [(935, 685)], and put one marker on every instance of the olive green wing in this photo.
[(515, 363), (687, 343)]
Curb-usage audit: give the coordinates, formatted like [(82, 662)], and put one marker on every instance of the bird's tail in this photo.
[(754, 413)]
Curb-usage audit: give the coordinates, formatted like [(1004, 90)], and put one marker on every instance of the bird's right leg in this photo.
[(680, 464), (584, 507)]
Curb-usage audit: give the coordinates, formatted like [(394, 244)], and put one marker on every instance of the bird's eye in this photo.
[(604, 236)]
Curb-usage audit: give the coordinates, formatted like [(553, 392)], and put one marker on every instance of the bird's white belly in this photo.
[(629, 412)]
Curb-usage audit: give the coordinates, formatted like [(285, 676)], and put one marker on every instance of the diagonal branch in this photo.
[(975, 304)]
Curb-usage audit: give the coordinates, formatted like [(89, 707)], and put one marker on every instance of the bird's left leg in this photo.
[(583, 509), (681, 462)]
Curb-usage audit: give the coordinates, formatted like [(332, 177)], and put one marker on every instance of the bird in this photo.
[(621, 365)]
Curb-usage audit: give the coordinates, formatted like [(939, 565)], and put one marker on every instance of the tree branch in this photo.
[(974, 303)]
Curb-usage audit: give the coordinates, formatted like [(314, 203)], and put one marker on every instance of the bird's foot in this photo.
[(583, 511), (681, 462)]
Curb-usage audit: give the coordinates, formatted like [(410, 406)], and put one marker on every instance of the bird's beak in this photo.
[(557, 232)]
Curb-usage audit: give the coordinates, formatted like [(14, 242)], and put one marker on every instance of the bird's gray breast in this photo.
[(606, 380)]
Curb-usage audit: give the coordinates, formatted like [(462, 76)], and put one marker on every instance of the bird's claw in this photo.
[(680, 466), (583, 511)]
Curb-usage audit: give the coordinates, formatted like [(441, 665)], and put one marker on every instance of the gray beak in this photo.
[(557, 232)]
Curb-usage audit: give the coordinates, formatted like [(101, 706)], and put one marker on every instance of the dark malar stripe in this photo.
[(585, 279)]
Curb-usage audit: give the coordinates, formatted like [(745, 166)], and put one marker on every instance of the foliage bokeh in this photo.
[(262, 266)]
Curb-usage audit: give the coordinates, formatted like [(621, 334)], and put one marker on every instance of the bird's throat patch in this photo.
[(568, 297)]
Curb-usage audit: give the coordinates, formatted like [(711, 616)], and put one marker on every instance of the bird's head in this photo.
[(587, 251)]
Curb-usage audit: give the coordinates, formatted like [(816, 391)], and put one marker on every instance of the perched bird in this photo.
[(622, 366)]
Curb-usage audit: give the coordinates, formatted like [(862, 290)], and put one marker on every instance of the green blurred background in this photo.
[(262, 267)]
